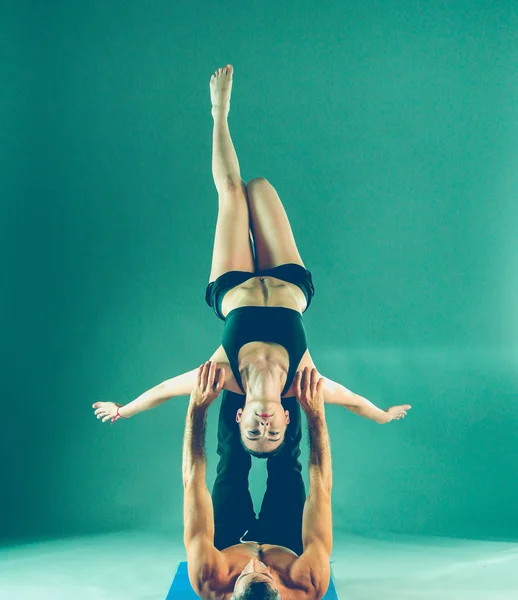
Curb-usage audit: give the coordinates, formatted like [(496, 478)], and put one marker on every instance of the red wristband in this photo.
[(118, 416)]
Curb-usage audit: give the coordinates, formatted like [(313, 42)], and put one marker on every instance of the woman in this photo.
[(260, 287)]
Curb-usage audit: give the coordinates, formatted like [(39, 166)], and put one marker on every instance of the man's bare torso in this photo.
[(279, 561)]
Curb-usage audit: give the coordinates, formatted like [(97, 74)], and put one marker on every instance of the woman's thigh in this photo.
[(273, 238), (232, 250)]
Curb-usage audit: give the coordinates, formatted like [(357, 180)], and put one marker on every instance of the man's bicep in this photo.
[(312, 569), (207, 566), (198, 511), (317, 522)]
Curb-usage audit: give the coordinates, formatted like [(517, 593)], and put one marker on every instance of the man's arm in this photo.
[(206, 564), (317, 531)]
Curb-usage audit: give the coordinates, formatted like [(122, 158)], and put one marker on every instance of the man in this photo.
[(221, 565)]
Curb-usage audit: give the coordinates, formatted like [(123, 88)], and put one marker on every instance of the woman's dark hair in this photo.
[(258, 590), (263, 454)]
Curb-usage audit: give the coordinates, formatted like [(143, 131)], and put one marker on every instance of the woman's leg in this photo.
[(232, 250), (274, 241)]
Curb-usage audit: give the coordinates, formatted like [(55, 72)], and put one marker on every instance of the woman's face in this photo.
[(263, 425)]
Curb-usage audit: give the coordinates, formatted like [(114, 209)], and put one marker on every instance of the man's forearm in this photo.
[(194, 464), (320, 472)]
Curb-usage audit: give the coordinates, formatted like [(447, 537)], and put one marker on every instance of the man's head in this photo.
[(255, 583), (263, 426)]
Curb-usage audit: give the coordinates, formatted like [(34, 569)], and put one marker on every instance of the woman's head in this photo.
[(263, 425), (255, 583)]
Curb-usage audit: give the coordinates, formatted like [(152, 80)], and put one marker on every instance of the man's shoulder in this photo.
[(208, 572), (211, 584), (302, 590), (311, 571)]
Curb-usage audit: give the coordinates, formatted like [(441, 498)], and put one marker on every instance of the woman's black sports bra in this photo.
[(273, 324)]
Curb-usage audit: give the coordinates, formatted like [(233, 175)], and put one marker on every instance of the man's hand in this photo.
[(397, 412), (208, 385), (309, 390)]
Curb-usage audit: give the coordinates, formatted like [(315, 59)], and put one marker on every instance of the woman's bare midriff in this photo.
[(264, 291), (278, 560)]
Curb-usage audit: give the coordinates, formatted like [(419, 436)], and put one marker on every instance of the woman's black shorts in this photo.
[(290, 272)]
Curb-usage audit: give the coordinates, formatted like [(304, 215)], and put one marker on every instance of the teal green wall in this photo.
[(390, 131)]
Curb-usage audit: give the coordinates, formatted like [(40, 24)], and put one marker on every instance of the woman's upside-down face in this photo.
[(263, 425)]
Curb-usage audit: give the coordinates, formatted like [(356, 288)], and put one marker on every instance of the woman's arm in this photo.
[(336, 393), (181, 385)]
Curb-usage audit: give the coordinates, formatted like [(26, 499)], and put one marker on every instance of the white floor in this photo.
[(141, 566)]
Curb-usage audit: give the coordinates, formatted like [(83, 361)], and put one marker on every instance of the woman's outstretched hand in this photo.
[(309, 391), (398, 412), (106, 410), (208, 385)]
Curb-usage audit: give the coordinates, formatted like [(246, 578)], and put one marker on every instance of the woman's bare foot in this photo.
[(220, 90)]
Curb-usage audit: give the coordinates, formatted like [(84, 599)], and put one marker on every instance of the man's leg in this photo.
[(233, 506), (280, 519)]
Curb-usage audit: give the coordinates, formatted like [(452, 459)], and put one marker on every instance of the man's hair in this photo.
[(258, 590), (263, 454)]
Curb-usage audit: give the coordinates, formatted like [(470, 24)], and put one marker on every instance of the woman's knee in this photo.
[(230, 185), (258, 183)]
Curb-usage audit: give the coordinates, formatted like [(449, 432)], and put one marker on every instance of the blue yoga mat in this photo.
[(181, 588)]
